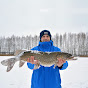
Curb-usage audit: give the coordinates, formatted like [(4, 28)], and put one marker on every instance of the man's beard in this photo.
[(45, 40)]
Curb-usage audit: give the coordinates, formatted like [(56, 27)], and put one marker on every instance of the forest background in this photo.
[(74, 43)]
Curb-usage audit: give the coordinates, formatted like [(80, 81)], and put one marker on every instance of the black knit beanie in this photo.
[(45, 32)]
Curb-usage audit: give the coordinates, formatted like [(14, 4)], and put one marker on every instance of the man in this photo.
[(46, 77)]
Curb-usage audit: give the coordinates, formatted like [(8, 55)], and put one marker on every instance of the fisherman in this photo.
[(46, 77)]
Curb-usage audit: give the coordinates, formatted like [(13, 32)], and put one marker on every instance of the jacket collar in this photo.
[(45, 45)]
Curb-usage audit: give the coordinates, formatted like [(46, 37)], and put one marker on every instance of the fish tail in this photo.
[(9, 63)]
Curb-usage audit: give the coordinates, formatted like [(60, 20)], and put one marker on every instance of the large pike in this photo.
[(44, 58)]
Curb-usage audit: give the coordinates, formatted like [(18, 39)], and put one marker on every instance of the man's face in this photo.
[(45, 38)]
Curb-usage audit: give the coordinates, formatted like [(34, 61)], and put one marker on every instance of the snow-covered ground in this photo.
[(75, 76)]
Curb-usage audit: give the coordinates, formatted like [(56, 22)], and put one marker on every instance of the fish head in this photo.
[(65, 56)]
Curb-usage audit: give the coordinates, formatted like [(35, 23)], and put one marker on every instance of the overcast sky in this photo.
[(25, 17)]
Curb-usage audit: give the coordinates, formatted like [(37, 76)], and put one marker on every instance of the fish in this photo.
[(46, 59)]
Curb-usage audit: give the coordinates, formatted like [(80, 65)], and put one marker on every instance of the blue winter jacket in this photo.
[(46, 77)]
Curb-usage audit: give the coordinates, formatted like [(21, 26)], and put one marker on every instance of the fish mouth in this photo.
[(72, 58)]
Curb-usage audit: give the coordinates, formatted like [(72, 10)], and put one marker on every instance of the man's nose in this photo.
[(45, 37)]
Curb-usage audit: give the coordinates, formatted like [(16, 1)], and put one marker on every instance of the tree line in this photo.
[(74, 43)]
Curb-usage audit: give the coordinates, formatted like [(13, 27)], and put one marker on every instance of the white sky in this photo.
[(25, 17)]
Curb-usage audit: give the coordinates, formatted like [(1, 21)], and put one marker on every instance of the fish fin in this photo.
[(4, 62), (21, 63), (55, 65), (37, 66), (18, 52), (9, 67), (9, 63)]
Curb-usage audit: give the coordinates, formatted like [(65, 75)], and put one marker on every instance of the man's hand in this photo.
[(31, 60), (60, 62)]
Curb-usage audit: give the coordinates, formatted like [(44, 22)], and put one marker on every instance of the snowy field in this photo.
[(75, 76)]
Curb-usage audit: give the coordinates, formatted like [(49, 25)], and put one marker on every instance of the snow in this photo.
[(75, 76)]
